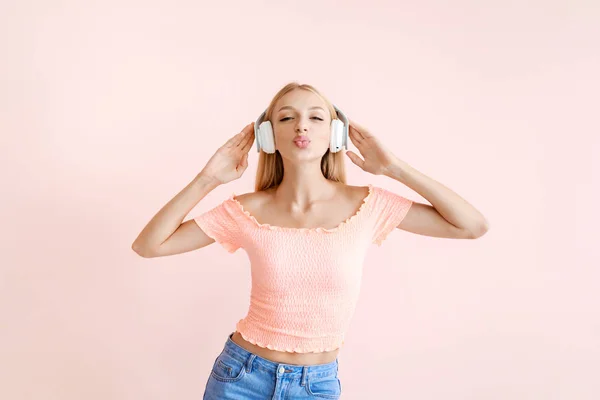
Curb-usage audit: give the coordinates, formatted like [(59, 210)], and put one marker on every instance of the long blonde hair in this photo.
[(269, 172)]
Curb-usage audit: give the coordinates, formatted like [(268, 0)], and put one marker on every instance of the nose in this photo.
[(301, 126)]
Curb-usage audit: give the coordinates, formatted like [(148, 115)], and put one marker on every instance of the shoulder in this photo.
[(358, 193), (254, 200)]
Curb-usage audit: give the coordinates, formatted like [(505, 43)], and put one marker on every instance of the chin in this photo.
[(302, 154)]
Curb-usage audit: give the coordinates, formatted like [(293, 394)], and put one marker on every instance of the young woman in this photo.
[(306, 233)]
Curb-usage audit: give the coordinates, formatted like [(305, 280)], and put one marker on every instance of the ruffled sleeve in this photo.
[(387, 210), (222, 224)]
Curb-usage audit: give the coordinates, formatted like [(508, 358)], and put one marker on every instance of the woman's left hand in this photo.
[(377, 159)]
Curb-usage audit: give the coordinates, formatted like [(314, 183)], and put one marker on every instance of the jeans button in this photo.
[(281, 369)]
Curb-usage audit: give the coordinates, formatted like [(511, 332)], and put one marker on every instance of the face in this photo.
[(301, 113)]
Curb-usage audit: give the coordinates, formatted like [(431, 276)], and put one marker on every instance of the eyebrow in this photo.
[(284, 107)]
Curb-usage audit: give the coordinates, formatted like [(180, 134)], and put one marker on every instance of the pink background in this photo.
[(108, 109)]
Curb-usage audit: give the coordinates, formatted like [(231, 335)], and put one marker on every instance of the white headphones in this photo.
[(265, 138)]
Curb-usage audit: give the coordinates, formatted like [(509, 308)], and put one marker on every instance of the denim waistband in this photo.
[(247, 357)]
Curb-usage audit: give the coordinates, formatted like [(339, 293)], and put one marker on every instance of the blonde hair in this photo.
[(269, 172)]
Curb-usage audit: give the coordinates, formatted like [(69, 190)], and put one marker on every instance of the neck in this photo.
[(304, 184)]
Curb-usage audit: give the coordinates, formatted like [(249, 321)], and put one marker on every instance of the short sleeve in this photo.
[(388, 209), (221, 224)]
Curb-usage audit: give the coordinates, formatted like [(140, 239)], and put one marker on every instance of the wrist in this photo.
[(397, 169), (206, 180)]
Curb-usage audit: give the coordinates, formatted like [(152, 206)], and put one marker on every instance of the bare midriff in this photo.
[(284, 356)]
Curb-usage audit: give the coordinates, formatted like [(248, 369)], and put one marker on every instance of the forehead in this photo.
[(301, 99)]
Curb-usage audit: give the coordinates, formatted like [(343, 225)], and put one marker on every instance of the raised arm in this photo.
[(449, 216), (165, 234)]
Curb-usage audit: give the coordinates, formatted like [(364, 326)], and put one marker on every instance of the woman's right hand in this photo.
[(231, 160)]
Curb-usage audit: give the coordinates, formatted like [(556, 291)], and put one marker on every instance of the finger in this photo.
[(356, 133), (232, 141), (356, 159), (362, 131), (236, 139), (247, 134), (355, 136), (248, 128), (247, 142), (246, 147), (244, 162)]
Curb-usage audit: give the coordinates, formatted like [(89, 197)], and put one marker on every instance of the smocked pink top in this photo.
[(305, 281)]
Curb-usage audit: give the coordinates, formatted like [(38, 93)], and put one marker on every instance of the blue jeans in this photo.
[(238, 374)]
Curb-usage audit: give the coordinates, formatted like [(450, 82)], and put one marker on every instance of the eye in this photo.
[(283, 119)]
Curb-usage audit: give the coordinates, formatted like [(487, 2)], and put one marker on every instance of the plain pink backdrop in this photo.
[(108, 109)]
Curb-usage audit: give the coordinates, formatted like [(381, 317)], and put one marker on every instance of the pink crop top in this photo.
[(305, 281)]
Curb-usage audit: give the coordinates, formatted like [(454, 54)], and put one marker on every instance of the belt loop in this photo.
[(249, 363), (304, 373)]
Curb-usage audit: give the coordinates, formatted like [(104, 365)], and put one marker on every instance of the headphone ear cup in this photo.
[(266, 138), (337, 133)]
